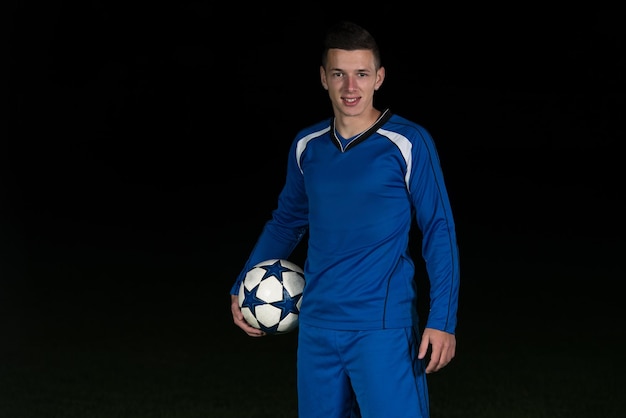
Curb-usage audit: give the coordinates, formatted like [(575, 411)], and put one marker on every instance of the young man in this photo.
[(355, 182)]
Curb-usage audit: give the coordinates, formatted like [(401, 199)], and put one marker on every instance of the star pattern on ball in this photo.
[(288, 305), (265, 297), (275, 269), (250, 300)]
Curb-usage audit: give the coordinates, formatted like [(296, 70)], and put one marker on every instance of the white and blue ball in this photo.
[(271, 294)]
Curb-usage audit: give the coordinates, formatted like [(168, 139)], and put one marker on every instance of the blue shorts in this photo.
[(368, 374)]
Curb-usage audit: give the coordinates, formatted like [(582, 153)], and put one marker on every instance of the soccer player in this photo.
[(354, 183)]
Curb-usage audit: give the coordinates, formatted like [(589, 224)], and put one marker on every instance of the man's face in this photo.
[(351, 78)]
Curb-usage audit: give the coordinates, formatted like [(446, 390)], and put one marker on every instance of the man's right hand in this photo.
[(240, 321)]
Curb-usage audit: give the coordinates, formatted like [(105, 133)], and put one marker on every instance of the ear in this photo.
[(323, 77), (380, 77)]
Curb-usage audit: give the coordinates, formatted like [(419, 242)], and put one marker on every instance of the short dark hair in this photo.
[(349, 36)]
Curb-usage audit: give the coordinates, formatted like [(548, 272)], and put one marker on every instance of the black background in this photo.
[(146, 145)]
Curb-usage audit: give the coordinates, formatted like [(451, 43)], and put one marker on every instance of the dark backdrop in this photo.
[(146, 144)]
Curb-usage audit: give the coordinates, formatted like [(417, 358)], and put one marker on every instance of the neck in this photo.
[(349, 126)]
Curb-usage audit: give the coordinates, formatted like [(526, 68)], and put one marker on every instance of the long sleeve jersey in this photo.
[(357, 200)]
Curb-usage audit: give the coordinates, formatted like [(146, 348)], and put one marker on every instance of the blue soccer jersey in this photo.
[(357, 199)]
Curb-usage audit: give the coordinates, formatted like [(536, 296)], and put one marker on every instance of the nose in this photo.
[(351, 83)]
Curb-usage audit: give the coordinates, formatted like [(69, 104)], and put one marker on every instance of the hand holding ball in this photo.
[(271, 294)]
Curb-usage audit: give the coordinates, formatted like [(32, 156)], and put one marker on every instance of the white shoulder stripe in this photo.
[(303, 142), (405, 146)]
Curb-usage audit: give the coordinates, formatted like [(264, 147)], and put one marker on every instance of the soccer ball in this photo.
[(271, 294)]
